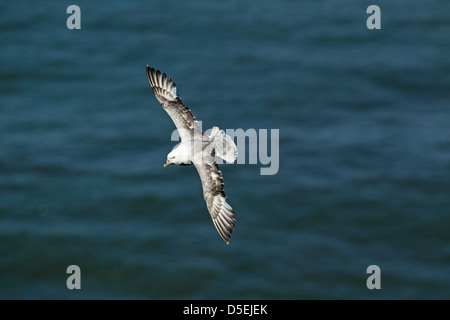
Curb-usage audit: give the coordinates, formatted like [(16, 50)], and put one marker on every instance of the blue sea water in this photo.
[(364, 150)]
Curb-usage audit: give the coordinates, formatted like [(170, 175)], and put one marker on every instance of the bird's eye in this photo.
[(172, 157)]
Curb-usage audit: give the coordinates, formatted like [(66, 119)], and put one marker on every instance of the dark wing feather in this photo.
[(221, 213), (166, 92)]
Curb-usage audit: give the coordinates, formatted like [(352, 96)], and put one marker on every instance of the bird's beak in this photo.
[(166, 164)]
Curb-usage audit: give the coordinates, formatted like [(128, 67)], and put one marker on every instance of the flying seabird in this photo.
[(199, 149)]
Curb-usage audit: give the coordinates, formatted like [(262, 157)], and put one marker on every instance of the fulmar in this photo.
[(199, 149)]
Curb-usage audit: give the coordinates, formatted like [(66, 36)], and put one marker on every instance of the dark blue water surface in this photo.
[(364, 150)]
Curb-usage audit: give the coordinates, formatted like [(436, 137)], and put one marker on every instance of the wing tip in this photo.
[(223, 219), (162, 85)]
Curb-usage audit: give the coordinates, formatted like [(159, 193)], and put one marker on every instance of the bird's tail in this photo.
[(163, 87), (223, 145)]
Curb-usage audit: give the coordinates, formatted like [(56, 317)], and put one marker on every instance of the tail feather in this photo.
[(224, 146)]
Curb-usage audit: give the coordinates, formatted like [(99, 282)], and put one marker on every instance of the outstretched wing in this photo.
[(221, 213), (166, 93)]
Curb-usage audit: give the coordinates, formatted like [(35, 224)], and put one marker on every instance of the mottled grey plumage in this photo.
[(211, 177), (166, 93)]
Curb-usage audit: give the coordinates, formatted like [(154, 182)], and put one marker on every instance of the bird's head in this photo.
[(179, 155), (172, 158)]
